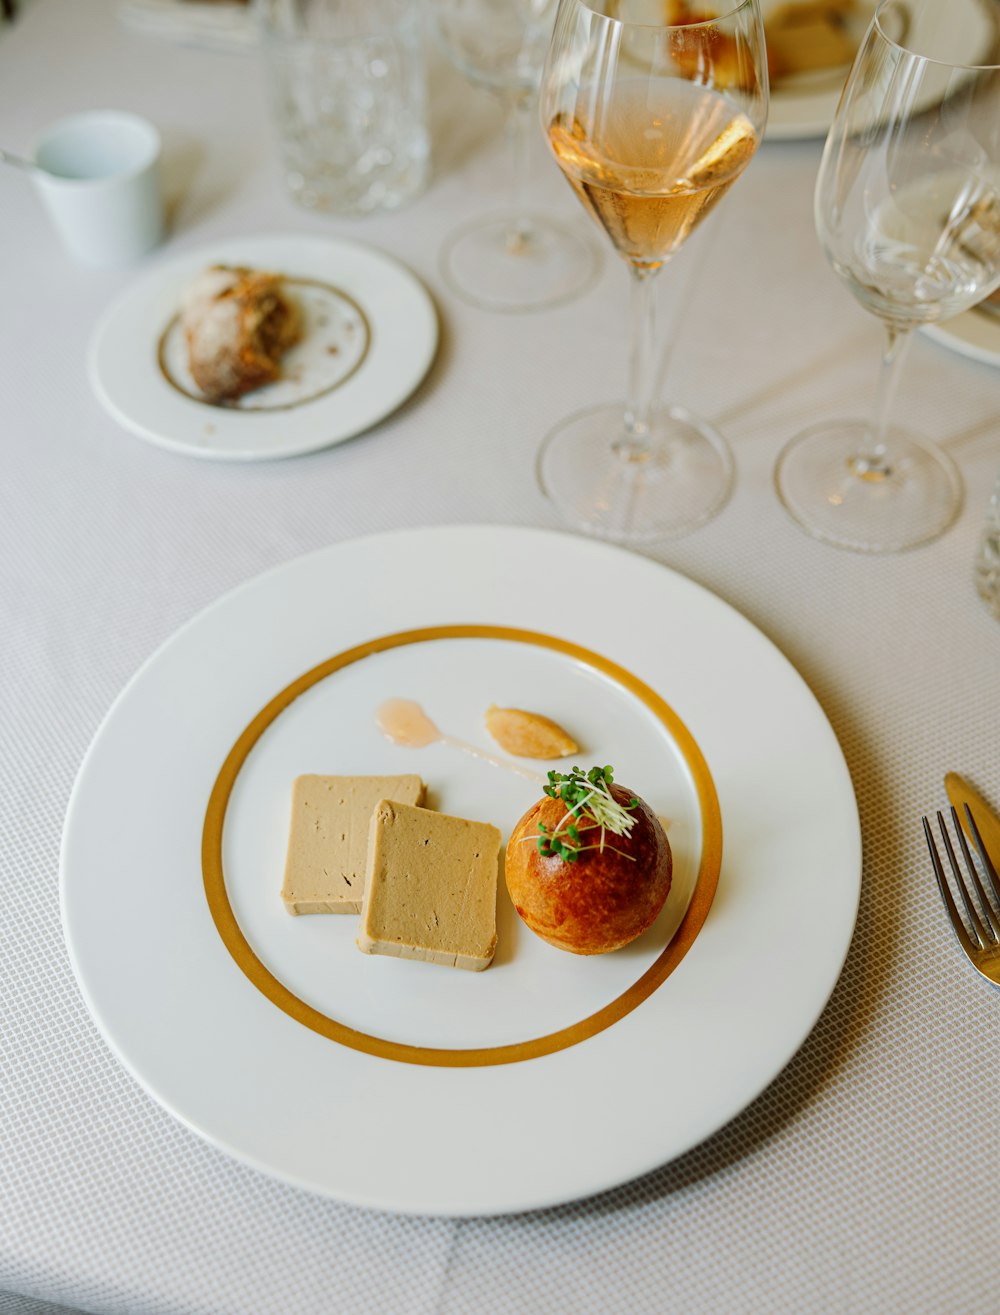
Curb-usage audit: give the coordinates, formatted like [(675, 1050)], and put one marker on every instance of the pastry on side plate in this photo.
[(238, 323), (808, 36), (588, 866)]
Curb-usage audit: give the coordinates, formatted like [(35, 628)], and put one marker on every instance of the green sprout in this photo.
[(588, 799)]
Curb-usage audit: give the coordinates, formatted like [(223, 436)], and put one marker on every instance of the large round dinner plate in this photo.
[(403, 1085)]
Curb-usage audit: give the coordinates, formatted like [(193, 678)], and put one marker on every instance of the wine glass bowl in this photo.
[(651, 122), (907, 209), (513, 259), (497, 44)]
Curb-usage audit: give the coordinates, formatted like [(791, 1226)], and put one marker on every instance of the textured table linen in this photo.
[(864, 1178)]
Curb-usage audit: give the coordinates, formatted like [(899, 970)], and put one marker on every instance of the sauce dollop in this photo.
[(404, 722)]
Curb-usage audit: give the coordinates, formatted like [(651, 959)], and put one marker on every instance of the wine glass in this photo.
[(651, 122), (513, 260), (908, 213)]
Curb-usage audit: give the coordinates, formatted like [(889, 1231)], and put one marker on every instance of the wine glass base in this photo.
[(682, 480), (514, 262), (911, 503)]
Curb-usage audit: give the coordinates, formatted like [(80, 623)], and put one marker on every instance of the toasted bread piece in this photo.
[(238, 323)]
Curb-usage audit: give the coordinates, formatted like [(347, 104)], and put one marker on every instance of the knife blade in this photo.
[(960, 792)]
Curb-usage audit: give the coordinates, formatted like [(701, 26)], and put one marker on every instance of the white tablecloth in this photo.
[(864, 1178)]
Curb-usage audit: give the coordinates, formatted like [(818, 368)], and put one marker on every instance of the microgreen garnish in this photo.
[(588, 798)]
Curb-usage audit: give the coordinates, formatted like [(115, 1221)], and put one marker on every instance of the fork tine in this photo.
[(978, 930), (964, 939), (988, 867), (989, 914)]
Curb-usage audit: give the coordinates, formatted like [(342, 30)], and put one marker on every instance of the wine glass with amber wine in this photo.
[(652, 109)]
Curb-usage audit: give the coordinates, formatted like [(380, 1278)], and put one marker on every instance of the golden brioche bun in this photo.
[(601, 900)]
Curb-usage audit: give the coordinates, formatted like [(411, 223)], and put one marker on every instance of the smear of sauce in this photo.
[(404, 722)]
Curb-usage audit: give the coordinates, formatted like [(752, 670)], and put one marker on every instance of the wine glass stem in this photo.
[(634, 445), (873, 459), (520, 120)]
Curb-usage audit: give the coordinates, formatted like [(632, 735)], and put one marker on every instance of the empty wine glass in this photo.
[(908, 213), (651, 122), (514, 259)]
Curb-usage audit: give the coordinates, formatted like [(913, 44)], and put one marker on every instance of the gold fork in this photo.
[(979, 931)]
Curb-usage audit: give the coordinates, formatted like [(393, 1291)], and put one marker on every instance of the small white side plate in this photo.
[(371, 334)]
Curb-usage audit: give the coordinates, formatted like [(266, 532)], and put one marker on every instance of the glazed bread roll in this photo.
[(600, 900)]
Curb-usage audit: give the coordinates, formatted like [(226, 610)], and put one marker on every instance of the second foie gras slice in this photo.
[(328, 838), (431, 891)]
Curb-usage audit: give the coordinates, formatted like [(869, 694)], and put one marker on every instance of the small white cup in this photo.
[(101, 185)]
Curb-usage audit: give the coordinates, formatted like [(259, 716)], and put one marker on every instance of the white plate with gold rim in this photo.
[(421, 1089), (370, 335), (975, 334), (803, 105)]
